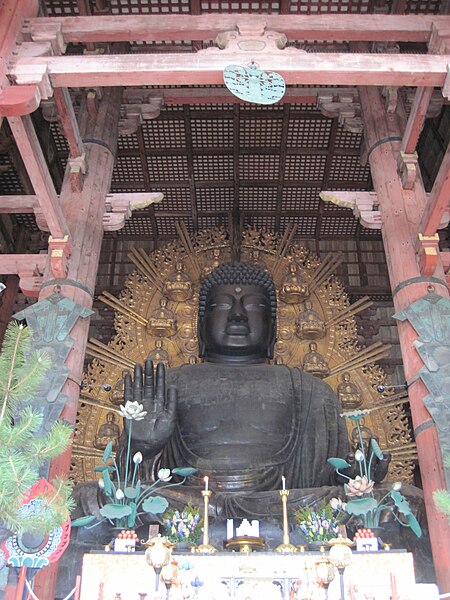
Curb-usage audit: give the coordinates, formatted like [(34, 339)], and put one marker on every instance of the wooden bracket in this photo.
[(52, 33), (19, 100), (254, 38), (428, 253), (407, 169), (120, 206), (30, 284), (135, 114), (346, 108), (60, 250), (92, 103), (78, 169), (390, 94)]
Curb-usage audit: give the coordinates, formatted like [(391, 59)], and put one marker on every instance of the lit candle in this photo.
[(283, 482), (206, 479)]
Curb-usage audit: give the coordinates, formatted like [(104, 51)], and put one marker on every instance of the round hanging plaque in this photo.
[(253, 85)]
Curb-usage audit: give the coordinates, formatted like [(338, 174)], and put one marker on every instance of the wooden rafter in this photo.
[(149, 28), (207, 68)]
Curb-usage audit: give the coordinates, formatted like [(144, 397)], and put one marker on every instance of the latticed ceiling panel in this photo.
[(140, 228), (207, 222), (299, 199), (258, 199), (308, 167), (308, 133), (257, 167), (260, 133), (266, 223), (175, 199), (346, 139), (162, 134), (59, 138), (215, 199), (167, 229), (306, 226), (325, 6), (128, 143), (168, 168), (211, 167), (334, 226), (131, 7), (348, 168), (212, 133), (9, 181), (128, 168)]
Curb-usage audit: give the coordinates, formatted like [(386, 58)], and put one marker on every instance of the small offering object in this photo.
[(366, 540), (126, 541)]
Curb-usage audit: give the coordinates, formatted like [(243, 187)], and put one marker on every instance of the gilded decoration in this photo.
[(185, 262)]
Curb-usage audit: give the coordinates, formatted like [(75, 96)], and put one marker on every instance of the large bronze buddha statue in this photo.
[(235, 417)]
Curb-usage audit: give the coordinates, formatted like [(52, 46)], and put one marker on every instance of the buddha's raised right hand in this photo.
[(151, 433)]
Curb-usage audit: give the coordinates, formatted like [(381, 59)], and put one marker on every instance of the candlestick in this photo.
[(206, 547), (286, 546)]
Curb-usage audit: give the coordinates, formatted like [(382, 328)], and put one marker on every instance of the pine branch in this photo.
[(15, 351)]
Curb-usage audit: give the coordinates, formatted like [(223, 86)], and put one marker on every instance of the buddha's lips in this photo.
[(237, 329)]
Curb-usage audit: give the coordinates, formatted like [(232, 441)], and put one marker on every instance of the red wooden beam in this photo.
[(14, 264), (32, 155), (142, 28), (18, 204), (439, 199), (19, 100), (12, 14), (416, 119), (207, 68), (69, 122), (297, 95)]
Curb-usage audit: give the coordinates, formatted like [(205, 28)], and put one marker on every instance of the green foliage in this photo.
[(22, 449), (442, 497)]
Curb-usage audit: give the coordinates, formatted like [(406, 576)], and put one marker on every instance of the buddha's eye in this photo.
[(221, 304)]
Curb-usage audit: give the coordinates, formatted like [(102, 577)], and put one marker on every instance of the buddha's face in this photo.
[(237, 324)]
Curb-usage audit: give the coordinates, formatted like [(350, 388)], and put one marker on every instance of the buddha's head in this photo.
[(237, 314)]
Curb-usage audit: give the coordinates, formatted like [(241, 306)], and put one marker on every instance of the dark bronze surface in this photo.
[(236, 418)]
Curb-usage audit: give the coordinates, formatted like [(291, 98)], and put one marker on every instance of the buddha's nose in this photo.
[(238, 314)]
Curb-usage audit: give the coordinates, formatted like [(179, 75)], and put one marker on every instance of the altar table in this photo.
[(254, 576)]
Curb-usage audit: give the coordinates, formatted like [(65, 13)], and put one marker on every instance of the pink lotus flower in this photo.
[(358, 486)]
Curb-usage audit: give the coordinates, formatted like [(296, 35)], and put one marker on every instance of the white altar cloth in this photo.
[(254, 576)]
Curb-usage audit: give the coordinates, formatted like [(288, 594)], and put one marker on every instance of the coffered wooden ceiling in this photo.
[(210, 154)]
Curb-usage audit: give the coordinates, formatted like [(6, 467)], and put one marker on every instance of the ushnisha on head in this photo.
[(237, 314)]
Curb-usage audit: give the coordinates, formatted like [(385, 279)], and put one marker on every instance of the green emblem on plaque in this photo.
[(253, 85)]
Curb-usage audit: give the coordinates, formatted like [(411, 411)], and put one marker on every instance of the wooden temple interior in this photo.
[(354, 159)]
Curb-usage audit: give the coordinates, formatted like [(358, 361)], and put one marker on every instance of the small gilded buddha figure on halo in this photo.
[(348, 393), (314, 362), (309, 324), (108, 432), (293, 287)]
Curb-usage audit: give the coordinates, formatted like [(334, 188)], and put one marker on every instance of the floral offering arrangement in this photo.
[(126, 498), (320, 524), (360, 488), (184, 526)]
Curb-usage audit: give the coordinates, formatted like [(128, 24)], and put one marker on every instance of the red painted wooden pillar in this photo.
[(83, 212), (401, 211)]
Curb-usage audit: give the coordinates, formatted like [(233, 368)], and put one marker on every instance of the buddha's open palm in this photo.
[(151, 433)]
